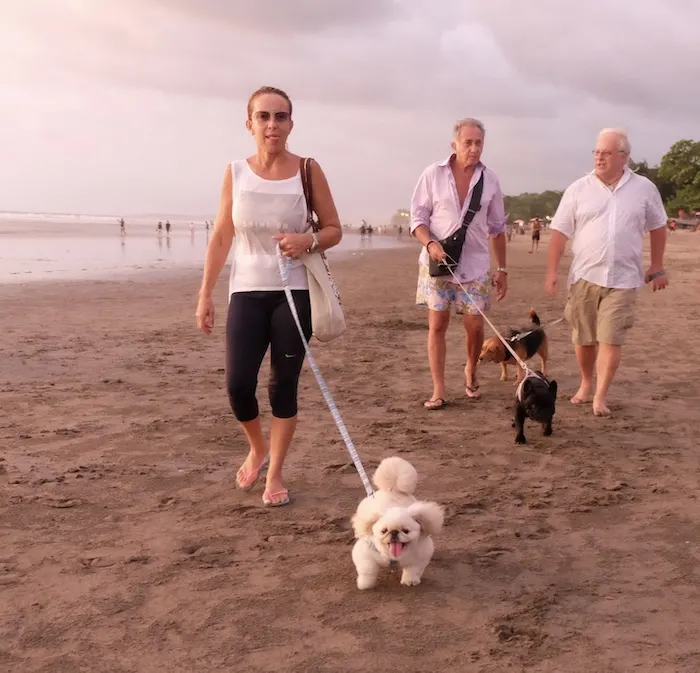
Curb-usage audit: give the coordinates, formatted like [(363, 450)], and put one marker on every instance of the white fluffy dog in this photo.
[(394, 527)]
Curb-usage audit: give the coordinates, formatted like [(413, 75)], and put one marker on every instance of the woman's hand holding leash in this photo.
[(294, 245)]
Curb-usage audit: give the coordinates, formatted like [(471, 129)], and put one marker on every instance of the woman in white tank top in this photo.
[(262, 203)]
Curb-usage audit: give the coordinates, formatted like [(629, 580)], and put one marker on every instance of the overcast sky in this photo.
[(135, 106)]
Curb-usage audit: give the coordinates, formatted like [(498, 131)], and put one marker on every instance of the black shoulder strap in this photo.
[(475, 202)]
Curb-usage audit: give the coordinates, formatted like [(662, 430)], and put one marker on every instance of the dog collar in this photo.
[(529, 375), (393, 563)]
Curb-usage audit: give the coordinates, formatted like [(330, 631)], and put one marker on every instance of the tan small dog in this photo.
[(525, 341)]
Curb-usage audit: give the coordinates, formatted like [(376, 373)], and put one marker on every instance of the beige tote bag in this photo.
[(327, 317)]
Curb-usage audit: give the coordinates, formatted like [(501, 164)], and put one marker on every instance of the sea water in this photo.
[(80, 247)]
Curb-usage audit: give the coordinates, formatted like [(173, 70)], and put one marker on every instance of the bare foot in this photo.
[(472, 385), (582, 396), (472, 390), (251, 470), (435, 403), (275, 490), (600, 408)]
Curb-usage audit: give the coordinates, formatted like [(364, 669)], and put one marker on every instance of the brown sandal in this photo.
[(432, 405)]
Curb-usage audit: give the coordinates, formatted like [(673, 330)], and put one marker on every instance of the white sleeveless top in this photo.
[(261, 209)]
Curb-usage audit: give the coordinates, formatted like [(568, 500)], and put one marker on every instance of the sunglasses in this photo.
[(264, 116)]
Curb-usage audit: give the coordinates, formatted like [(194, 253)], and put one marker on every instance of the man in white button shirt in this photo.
[(607, 213)]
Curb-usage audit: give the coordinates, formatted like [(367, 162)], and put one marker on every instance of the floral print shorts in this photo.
[(439, 294)]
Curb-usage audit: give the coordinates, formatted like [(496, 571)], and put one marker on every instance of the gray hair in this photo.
[(623, 140), (468, 121)]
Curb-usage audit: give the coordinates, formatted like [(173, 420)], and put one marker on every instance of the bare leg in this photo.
[(257, 453), (474, 329), (586, 356), (608, 362), (438, 322), (281, 434)]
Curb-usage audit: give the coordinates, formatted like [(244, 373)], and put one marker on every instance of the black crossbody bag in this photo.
[(452, 245)]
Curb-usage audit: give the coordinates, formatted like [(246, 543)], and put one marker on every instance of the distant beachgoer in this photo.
[(607, 212), (266, 189), (160, 228), (536, 227), (167, 227), (436, 214), (122, 227)]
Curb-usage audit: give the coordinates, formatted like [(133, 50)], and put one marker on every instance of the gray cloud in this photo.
[(159, 87), (285, 16), (626, 52), (399, 57)]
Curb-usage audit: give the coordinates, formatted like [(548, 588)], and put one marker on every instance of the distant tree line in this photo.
[(677, 177), (528, 205)]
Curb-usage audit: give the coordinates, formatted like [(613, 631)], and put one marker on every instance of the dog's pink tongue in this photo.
[(395, 549)]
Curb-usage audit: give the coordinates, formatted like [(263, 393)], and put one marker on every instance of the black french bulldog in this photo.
[(535, 399)]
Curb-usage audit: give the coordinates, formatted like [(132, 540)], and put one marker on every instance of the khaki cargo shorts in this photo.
[(599, 314)]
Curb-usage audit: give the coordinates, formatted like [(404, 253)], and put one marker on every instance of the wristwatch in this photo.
[(314, 243), (502, 269)]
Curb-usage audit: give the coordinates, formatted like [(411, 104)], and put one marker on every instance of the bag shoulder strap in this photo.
[(475, 202), (305, 171)]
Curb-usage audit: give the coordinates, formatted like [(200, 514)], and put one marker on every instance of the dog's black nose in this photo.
[(394, 534)]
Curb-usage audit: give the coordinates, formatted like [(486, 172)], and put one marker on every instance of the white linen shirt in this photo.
[(608, 227)]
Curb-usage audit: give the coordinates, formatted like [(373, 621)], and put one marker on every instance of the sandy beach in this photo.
[(127, 549)]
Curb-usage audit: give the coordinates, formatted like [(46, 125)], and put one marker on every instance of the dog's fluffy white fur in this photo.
[(394, 526)]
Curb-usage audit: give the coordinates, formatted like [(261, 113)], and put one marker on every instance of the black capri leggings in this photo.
[(257, 320)]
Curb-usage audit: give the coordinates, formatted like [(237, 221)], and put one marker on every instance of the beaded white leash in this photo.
[(284, 264)]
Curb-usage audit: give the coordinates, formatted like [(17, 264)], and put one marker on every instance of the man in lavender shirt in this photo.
[(439, 202)]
